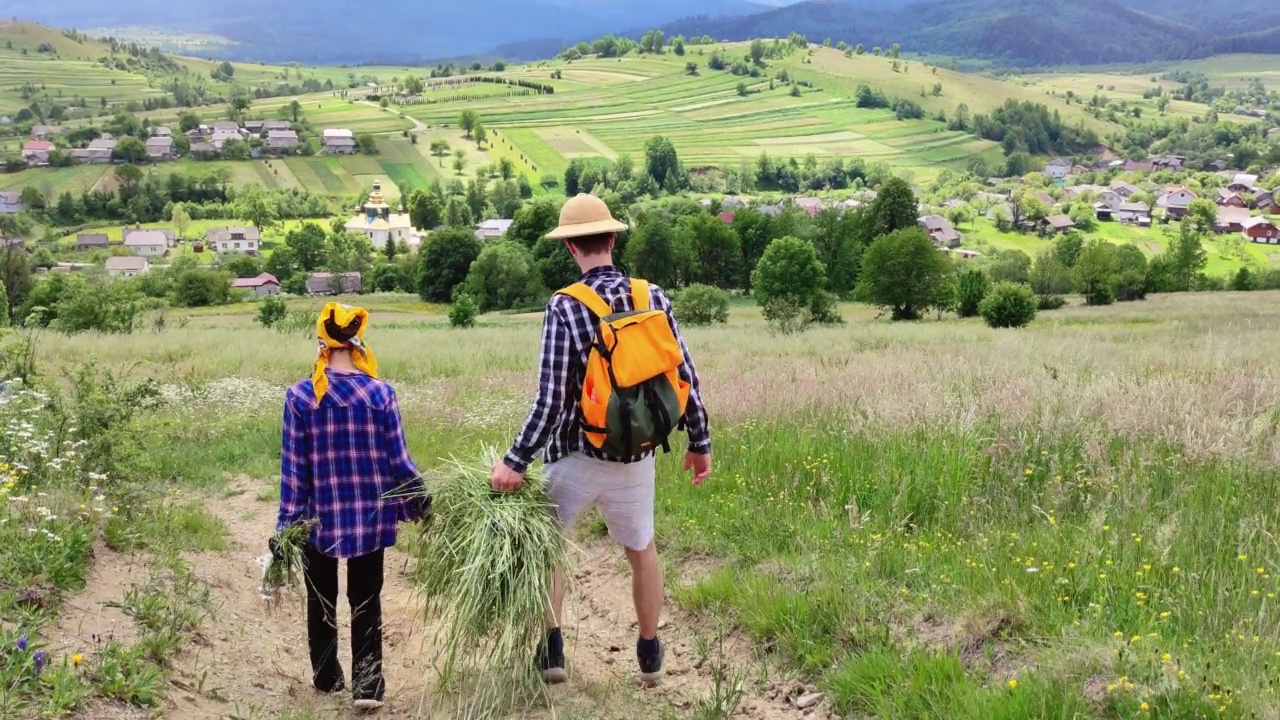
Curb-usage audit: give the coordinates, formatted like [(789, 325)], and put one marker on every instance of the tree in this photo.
[(1008, 266), (691, 68), (1243, 281), (757, 51), (468, 121), (506, 168), (715, 250), (180, 219), (240, 105), (272, 311), (1095, 270), (971, 291), (188, 121), (902, 271), (15, 272), (242, 266), (651, 250), (742, 89), (235, 150), (1068, 248), (259, 208), (462, 314), (1202, 214), (130, 150), (1186, 259), (426, 211), (504, 277), (1009, 305), (444, 261), (459, 160), (661, 160), (480, 134), (309, 245), (895, 208), (789, 271), (534, 220), (1050, 276), (202, 288), (440, 148)]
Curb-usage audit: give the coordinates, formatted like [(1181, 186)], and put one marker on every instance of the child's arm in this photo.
[(295, 467)]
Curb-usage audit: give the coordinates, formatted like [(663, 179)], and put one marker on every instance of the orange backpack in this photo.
[(632, 395)]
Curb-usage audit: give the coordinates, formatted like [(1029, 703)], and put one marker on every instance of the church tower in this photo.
[(377, 208)]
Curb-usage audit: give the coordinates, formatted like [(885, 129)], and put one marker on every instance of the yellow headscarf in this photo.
[(341, 327)]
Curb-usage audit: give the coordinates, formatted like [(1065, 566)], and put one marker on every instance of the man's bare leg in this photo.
[(646, 588), (552, 660), (557, 599)]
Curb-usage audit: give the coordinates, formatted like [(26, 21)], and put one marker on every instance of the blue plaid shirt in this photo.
[(338, 461), (554, 425)]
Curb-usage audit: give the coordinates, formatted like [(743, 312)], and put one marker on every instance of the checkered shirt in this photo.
[(339, 459), (555, 422)]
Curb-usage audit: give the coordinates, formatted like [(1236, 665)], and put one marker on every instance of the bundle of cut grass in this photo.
[(484, 569), (285, 567)]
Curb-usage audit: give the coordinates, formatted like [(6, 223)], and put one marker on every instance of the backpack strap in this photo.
[(585, 295), (640, 295)]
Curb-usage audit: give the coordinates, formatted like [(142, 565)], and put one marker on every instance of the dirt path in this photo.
[(251, 664)]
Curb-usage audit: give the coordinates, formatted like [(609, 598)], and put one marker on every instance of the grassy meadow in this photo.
[(921, 520)]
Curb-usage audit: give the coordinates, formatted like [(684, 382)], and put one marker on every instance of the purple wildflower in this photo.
[(22, 643), (39, 661)]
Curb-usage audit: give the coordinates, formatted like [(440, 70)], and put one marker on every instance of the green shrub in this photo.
[(786, 316), (973, 289), (825, 310), (1050, 302), (272, 311), (701, 305), (462, 314), (1009, 305)]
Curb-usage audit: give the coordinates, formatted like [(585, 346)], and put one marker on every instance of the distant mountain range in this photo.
[(1022, 33), (1019, 32)]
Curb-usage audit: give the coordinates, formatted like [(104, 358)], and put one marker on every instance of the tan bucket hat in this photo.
[(585, 215)]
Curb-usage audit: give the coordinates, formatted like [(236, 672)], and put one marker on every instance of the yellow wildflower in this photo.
[(77, 659), (1013, 684)]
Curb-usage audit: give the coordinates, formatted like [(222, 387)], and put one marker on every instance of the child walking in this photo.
[(343, 452)]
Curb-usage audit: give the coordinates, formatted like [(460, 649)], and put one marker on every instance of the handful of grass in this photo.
[(284, 570), (484, 569)]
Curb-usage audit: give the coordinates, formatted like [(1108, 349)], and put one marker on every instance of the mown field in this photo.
[(933, 520)]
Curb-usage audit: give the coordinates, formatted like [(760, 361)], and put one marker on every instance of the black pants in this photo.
[(364, 592)]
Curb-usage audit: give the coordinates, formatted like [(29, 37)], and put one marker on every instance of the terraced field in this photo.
[(618, 105)]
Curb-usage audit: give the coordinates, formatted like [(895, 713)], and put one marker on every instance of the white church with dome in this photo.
[(378, 223)]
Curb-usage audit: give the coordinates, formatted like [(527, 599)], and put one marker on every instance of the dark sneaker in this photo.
[(551, 659), (330, 685), (369, 695), (651, 664)]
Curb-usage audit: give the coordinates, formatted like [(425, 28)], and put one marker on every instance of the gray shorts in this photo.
[(622, 491)]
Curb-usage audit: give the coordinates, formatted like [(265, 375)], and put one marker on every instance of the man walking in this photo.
[(579, 474)]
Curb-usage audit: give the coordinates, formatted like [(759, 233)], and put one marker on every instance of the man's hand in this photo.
[(505, 479), (700, 465)]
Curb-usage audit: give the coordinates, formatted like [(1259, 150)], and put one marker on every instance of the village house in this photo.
[(1134, 214), (940, 231), (146, 243), (1104, 211), (161, 131), (338, 141), (100, 150), (203, 150), (282, 141), (1233, 199), (810, 205), (1177, 202), (221, 137), (168, 233), (160, 148), (16, 243), (1057, 224), (492, 229), (10, 202), (1267, 202), (770, 210), (1141, 166), (126, 267), (92, 241), (963, 254), (42, 132), (1058, 169), (69, 267), (732, 202), (323, 283), (1243, 183), (1231, 219), (265, 285), (245, 240), (274, 125), (1261, 230), (1046, 198), (224, 126), (1124, 189), (254, 127), (36, 152)]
